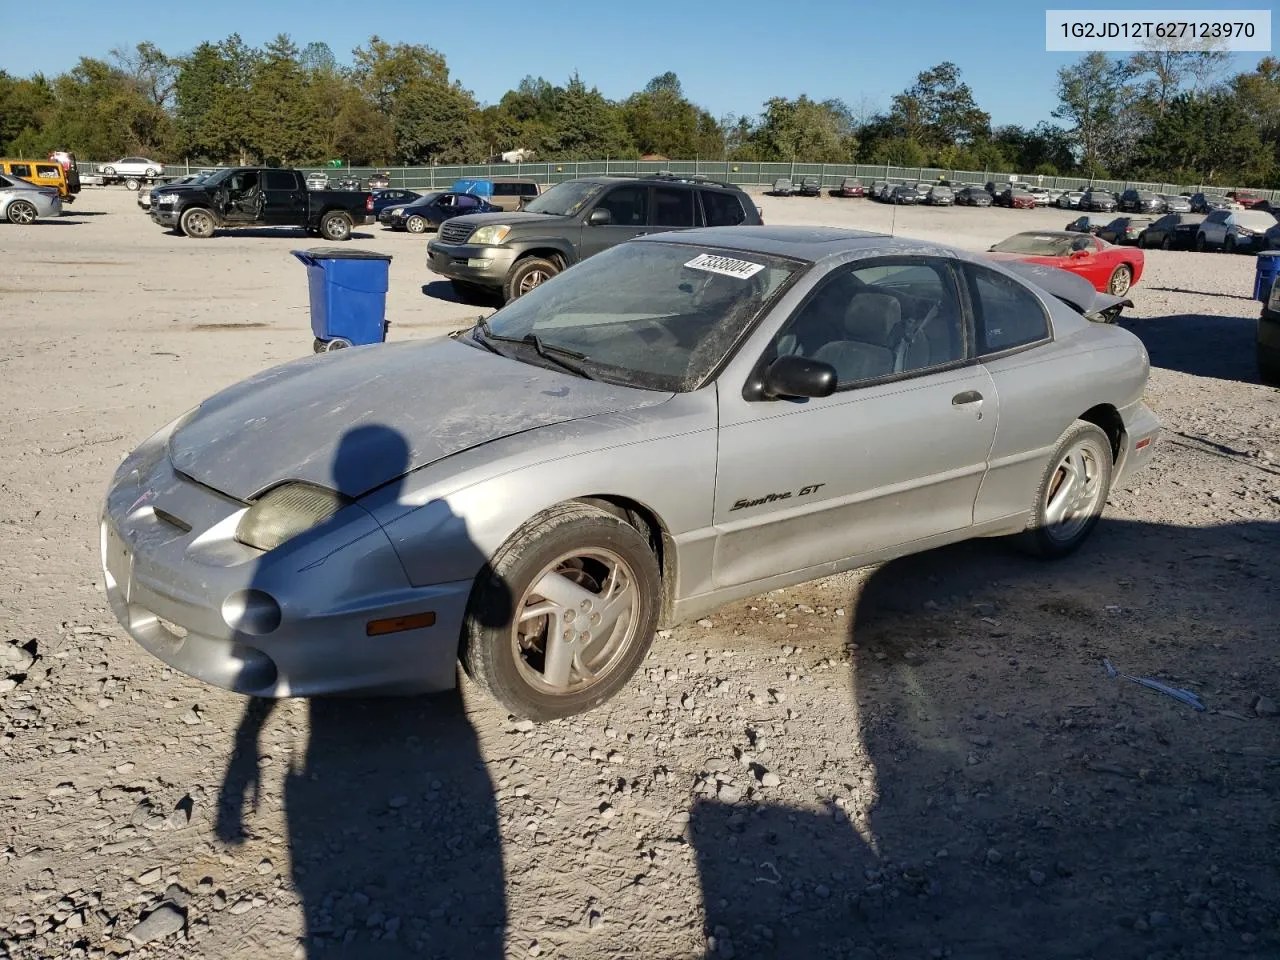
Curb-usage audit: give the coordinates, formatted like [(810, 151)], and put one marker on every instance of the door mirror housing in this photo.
[(600, 217), (792, 377)]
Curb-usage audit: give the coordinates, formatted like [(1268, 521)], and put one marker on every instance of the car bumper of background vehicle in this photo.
[(174, 587), (487, 266)]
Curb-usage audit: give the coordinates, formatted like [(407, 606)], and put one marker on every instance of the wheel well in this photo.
[(1108, 419), (555, 256), (660, 541)]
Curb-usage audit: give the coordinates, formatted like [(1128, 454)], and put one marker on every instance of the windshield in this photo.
[(659, 316), (564, 199), (425, 200), (216, 178), (1036, 244)]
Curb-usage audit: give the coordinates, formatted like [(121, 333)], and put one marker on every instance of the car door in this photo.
[(628, 207), (1014, 342), (896, 455), (1214, 226), (284, 197)]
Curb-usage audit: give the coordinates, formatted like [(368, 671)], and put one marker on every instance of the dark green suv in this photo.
[(511, 253)]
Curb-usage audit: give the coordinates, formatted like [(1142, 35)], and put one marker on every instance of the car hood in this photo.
[(515, 219), (429, 398)]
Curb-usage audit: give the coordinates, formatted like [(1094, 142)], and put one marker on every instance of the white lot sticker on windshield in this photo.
[(726, 266)]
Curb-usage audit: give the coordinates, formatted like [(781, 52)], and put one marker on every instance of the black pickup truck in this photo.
[(259, 197)]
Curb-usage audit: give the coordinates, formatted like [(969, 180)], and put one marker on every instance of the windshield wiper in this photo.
[(562, 357), (482, 335)]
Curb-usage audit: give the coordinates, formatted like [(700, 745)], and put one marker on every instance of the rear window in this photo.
[(1009, 315), (672, 207), (47, 170), (722, 209)]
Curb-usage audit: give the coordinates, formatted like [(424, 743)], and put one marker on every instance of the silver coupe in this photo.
[(677, 422)]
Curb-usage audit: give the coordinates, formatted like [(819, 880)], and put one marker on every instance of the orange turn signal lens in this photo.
[(413, 621), (1142, 443)]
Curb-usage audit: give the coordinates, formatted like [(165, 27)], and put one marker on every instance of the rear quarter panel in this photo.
[(1042, 391)]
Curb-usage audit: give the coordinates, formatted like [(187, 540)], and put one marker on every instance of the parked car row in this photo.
[(1227, 229)]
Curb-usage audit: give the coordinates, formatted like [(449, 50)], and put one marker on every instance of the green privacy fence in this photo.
[(743, 174)]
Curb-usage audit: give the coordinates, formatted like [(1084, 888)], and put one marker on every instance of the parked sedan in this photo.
[(1102, 201), (851, 187), (432, 209), (1124, 230), (1176, 203), (1040, 195), (23, 203), (885, 193), (973, 197), (1070, 199), (1234, 230), (905, 194), (1089, 223), (133, 167), (810, 187), (1246, 198), (783, 187), (1111, 269), (383, 198), (940, 196), (1015, 199), (1140, 201), (505, 496), (1173, 231)]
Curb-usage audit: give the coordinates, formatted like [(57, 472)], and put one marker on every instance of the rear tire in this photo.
[(21, 212), (108, 171), (1229, 245), (526, 275), (132, 183), (1072, 494), (336, 226), (1166, 243), (572, 548), (197, 223)]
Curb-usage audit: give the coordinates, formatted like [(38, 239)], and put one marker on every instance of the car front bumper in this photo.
[(166, 216), (171, 566), (471, 263)]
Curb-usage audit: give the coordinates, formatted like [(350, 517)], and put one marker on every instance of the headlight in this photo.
[(493, 234), (397, 211), (285, 512), (167, 200)]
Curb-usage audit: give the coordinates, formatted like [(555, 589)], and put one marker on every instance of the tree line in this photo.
[(1154, 115)]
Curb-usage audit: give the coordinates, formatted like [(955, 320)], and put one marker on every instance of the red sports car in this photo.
[(1109, 268)]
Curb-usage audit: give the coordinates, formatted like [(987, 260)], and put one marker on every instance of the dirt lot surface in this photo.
[(925, 759)]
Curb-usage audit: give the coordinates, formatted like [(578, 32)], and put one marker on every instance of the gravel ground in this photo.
[(925, 759)]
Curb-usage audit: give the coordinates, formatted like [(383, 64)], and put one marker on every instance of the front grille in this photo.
[(454, 232)]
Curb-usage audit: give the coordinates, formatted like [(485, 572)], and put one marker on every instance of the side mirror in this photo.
[(799, 377), (600, 217)]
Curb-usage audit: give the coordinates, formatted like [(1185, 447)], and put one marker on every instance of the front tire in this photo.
[(150, 173), (416, 225), (335, 226), (197, 223), (1229, 245), (1166, 243), (565, 614), (1200, 243), (527, 274), (1072, 493), (21, 212)]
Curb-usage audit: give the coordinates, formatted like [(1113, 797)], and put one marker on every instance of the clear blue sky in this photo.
[(727, 62)]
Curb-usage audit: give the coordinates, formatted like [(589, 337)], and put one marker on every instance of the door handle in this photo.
[(966, 398)]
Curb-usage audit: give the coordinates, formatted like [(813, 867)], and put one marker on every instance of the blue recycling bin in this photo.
[(348, 290), (1265, 274)]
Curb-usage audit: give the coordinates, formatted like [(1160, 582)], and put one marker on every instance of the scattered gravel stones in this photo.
[(164, 921)]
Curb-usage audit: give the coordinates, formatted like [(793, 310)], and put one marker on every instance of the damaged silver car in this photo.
[(677, 422)]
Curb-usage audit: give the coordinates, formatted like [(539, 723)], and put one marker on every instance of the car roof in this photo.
[(813, 244)]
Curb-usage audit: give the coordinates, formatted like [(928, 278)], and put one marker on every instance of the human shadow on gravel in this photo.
[(1204, 346), (1016, 800), (391, 817)]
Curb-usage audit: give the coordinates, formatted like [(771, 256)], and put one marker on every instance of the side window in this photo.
[(280, 180), (466, 202), (722, 209), (47, 170), (1008, 314), (20, 169), (879, 320), (628, 206), (505, 190), (672, 207)]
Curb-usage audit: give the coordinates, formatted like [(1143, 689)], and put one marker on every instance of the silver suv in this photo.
[(1233, 230)]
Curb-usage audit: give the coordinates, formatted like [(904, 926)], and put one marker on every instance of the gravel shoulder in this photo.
[(922, 759)]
